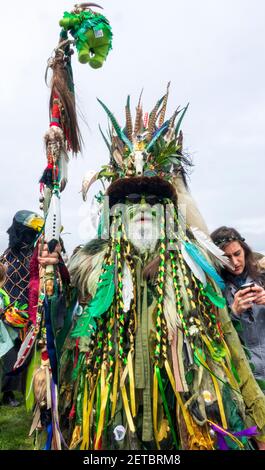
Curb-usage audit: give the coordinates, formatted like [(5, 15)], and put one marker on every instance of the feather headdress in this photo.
[(149, 149)]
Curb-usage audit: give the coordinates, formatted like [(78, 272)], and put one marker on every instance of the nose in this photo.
[(234, 261)]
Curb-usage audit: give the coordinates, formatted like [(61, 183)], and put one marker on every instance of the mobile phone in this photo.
[(246, 286)]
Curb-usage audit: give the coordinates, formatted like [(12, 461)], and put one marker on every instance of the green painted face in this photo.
[(143, 224)]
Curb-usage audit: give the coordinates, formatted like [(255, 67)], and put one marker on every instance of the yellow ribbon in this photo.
[(234, 438), (231, 377), (104, 393), (115, 388), (85, 442), (179, 399), (132, 383), (90, 405), (76, 437), (127, 409)]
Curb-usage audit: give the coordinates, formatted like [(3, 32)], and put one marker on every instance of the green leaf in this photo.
[(103, 299)]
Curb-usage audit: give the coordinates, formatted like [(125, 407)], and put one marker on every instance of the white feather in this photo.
[(209, 245), (127, 288), (63, 168), (194, 267)]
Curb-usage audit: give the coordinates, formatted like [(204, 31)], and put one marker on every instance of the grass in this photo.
[(15, 424)]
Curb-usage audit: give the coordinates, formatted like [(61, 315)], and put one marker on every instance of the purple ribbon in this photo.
[(221, 433)]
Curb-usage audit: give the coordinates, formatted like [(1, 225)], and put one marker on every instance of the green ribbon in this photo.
[(160, 384)]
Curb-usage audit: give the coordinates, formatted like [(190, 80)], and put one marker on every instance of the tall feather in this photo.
[(152, 119), (164, 107), (170, 135), (117, 150), (129, 125), (103, 299), (209, 245), (116, 126), (138, 121), (139, 115), (62, 87), (177, 129), (200, 259), (180, 141), (105, 139), (193, 265), (127, 288)]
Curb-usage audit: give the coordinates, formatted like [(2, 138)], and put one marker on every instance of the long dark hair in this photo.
[(224, 235)]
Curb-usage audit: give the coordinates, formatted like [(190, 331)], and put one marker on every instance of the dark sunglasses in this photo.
[(151, 199)]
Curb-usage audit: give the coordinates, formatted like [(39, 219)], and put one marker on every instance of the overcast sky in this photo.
[(213, 53)]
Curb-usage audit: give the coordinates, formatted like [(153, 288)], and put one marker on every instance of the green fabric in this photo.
[(103, 299), (34, 364), (235, 421), (5, 297), (142, 356), (62, 334), (7, 333)]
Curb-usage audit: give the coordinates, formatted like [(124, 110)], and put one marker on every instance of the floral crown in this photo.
[(224, 240)]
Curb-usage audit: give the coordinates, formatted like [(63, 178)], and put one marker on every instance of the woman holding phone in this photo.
[(245, 293), (245, 296)]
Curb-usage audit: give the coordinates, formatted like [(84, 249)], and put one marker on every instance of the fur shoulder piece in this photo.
[(85, 267)]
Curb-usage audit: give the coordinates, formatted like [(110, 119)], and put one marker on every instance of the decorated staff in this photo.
[(91, 35)]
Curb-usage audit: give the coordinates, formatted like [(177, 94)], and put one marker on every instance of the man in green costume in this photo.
[(152, 360)]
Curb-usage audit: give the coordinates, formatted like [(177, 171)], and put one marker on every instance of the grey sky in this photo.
[(213, 54)]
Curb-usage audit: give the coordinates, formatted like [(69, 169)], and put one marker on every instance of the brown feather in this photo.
[(152, 121), (164, 107), (139, 115), (129, 125), (59, 87), (180, 141)]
